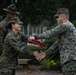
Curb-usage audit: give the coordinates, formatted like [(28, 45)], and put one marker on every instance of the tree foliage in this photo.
[(35, 11)]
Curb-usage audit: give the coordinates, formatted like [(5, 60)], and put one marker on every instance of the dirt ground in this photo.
[(34, 70)]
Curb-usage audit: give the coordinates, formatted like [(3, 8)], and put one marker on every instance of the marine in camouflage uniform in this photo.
[(66, 33), (11, 11), (13, 45)]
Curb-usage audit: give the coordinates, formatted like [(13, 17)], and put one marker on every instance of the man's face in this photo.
[(16, 27), (10, 15), (60, 19)]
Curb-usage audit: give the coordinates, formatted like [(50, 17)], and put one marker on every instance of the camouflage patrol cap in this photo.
[(62, 11), (14, 20), (11, 9)]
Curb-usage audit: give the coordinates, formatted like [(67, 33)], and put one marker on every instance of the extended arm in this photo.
[(42, 54), (19, 46), (52, 32), (52, 48)]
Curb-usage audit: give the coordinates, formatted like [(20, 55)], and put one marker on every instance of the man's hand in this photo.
[(31, 38), (39, 56), (42, 55)]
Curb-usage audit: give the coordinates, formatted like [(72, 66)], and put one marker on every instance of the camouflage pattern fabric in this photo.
[(69, 68), (1, 40), (12, 47), (66, 42), (3, 32), (5, 71)]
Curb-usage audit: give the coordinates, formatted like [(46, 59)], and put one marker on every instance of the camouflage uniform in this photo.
[(69, 68), (3, 32), (66, 43), (12, 46), (11, 9)]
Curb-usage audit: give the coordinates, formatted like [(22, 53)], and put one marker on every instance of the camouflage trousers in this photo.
[(69, 68), (5, 71)]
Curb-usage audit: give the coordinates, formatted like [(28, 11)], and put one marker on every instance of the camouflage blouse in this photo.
[(13, 45), (66, 42)]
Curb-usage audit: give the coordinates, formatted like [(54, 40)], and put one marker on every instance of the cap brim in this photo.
[(56, 16), (20, 23), (17, 13)]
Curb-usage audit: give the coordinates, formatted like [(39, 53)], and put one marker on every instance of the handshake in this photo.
[(39, 56)]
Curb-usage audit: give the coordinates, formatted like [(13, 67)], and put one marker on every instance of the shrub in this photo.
[(52, 60)]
